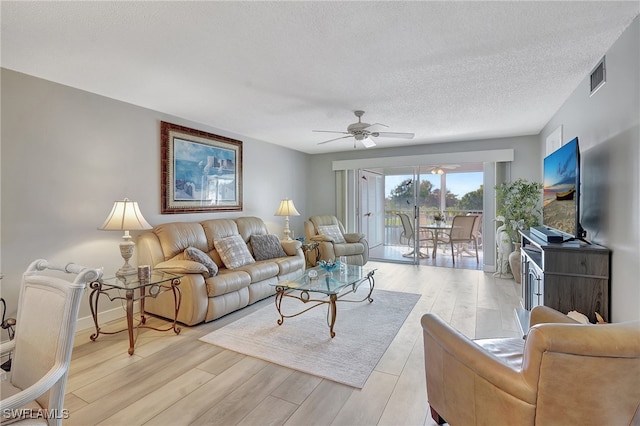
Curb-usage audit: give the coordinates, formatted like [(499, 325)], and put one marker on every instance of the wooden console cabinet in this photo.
[(570, 276)]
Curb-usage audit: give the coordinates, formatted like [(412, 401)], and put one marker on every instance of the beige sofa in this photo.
[(205, 297)]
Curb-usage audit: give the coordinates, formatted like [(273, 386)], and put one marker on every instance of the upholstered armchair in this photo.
[(564, 373), (33, 391), (335, 242)]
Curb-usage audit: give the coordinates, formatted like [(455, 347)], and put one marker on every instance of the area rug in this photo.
[(363, 332)]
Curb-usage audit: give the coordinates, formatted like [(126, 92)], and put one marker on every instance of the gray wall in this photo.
[(67, 155), (606, 125)]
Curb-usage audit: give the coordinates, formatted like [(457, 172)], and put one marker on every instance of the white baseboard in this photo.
[(85, 323)]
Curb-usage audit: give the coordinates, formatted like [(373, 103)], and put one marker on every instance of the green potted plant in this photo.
[(519, 203)]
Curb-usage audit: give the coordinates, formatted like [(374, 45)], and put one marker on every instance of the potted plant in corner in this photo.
[(519, 203)]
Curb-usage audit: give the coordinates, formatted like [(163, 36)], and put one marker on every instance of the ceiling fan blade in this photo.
[(393, 135), (331, 140), (375, 124), (368, 143), (331, 131)]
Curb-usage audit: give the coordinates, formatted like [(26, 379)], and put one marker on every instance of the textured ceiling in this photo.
[(275, 71)]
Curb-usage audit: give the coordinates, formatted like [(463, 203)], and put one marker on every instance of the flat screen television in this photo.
[(561, 190)]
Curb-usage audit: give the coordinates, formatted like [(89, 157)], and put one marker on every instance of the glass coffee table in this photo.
[(325, 288)]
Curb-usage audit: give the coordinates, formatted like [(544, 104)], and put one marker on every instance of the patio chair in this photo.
[(426, 237), (461, 232)]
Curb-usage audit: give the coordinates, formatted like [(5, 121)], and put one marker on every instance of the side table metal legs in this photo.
[(98, 288)]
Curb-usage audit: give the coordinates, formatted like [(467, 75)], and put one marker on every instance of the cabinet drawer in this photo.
[(590, 264)]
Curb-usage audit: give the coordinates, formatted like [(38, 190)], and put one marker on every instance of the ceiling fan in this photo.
[(440, 170), (362, 132)]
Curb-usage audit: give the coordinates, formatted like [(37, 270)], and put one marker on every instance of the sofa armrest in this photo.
[(321, 238), (353, 237), (194, 303), (544, 314), (291, 247)]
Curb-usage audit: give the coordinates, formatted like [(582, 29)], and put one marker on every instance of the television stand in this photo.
[(567, 276)]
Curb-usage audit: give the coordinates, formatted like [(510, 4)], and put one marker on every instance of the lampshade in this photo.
[(125, 216), (287, 208)]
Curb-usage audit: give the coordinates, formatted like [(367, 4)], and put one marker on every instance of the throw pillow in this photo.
[(181, 266), (197, 255), (333, 232), (266, 247), (233, 251)]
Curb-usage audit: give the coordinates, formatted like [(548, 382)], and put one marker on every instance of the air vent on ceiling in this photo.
[(598, 77)]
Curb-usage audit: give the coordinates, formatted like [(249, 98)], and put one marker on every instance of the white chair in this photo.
[(33, 391)]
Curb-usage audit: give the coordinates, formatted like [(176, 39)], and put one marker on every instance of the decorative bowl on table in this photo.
[(329, 266)]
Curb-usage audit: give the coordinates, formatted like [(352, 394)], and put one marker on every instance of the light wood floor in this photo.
[(178, 380)]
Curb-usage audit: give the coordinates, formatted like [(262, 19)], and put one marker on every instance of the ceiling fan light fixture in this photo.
[(361, 132), (437, 171)]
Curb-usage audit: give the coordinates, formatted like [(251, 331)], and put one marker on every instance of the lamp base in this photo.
[(126, 270), (126, 251)]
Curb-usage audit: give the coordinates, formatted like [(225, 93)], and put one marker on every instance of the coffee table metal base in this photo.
[(305, 297)]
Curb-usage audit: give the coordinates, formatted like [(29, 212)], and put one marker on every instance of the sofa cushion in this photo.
[(250, 225), (290, 264), (177, 236), (227, 281), (333, 232), (266, 247), (217, 229), (261, 270), (233, 251), (197, 255)]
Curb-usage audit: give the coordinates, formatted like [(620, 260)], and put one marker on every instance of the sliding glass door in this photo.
[(394, 203), (393, 224)]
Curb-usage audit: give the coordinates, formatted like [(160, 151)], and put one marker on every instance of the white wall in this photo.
[(607, 126), (67, 155)]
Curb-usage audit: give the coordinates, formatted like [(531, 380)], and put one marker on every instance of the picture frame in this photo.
[(200, 171)]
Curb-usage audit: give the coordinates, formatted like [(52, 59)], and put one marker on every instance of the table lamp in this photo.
[(125, 216), (287, 209)]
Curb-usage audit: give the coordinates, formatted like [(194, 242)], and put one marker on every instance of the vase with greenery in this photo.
[(519, 203)]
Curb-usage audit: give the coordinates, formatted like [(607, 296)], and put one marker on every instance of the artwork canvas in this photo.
[(201, 172)]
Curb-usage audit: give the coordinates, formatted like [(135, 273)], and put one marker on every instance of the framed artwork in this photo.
[(201, 172)]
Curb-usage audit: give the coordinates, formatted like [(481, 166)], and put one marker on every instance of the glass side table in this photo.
[(157, 283), (311, 252)]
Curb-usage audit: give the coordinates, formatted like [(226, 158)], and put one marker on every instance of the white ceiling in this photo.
[(275, 71)]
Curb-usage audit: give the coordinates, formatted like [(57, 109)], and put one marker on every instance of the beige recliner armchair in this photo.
[(564, 373), (335, 242)]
